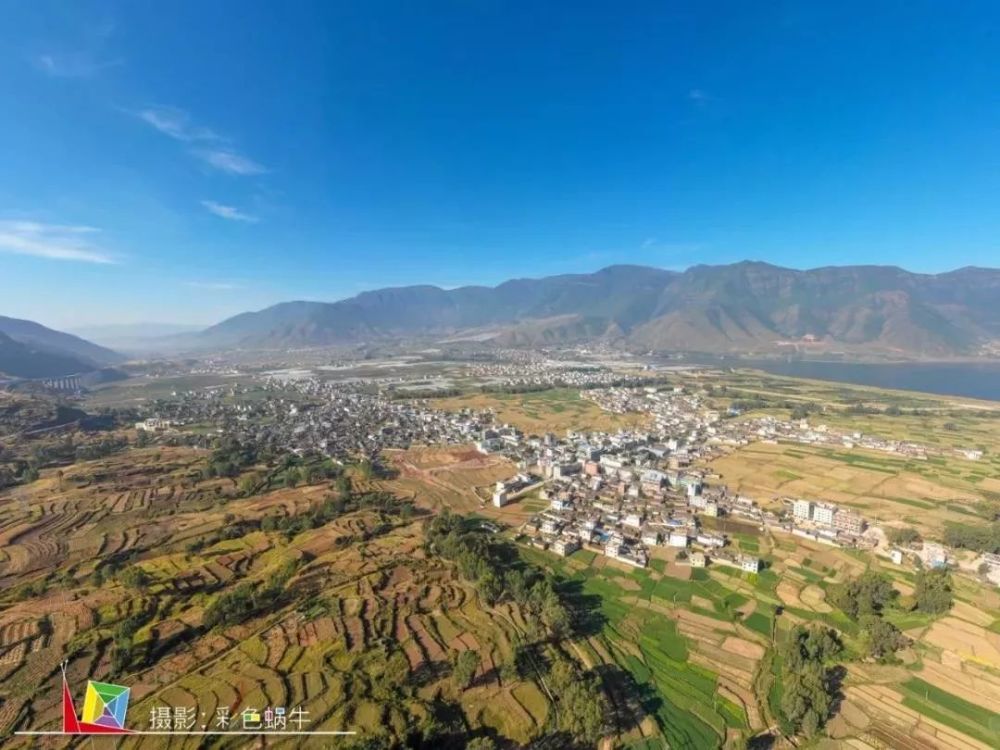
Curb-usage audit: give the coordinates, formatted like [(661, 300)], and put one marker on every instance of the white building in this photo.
[(500, 498), (802, 509), (710, 540), (632, 519), (750, 564), (564, 547), (153, 424), (678, 538), (823, 514)]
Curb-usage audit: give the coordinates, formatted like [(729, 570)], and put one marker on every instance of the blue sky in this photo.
[(185, 161)]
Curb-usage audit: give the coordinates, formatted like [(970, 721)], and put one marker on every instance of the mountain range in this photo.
[(748, 307), (743, 308), (30, 350)]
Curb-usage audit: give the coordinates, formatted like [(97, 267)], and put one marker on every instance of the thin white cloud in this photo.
[(228, 212), (78, 65), (216, 286), (228, 161), (699, 96), (52, 241), (209, 146), (175, 123)]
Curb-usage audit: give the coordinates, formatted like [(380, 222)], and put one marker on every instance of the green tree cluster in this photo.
[(807, 681), (867, 594), (880, 638), (135, 578), (487, 562), (250, 599), (863, 599), (463, 667), (582, 709), (932, 592), (903, 537), (981, 538)]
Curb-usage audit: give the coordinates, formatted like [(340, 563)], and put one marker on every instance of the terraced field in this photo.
[(686, 664), (359, 598), (695, 646)]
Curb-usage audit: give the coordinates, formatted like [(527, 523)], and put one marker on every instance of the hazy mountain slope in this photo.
[(26, 361), (58, 343), (132, 336), (740, 307)]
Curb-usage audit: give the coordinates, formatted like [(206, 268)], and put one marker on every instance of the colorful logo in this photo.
[(105, 704), (104, 707)]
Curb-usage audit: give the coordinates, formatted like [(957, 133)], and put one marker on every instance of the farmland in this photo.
[(291, 579), (359, 598), (697, 644), (925, 494), (553, 410), (688, 662)]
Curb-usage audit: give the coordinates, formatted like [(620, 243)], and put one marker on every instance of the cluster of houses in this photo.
[(610, 496), (771, 429), (825, 522), (619, 494), (153, 424)]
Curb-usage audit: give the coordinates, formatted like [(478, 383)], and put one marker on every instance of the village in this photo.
[(621, 494)]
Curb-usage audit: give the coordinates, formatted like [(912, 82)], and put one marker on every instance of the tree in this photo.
[(248, 483), (490, 587), (463, 668), (808, 692), (343, 485), (981, 537), (396, 673), (903, 537), (583, 709), (865, 595), (135, 578), (481, 743), (881, 639), (932, 592)]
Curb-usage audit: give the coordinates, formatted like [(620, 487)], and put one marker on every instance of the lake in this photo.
[(969, 379)]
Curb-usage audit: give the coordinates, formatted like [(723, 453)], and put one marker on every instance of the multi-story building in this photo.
[(564, 547), (802, 509), (750, 564), (823, 514), (678, 538), (849, 522), (706, 539)]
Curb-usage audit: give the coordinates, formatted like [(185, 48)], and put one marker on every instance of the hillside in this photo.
[(30, 350), (41, 338), (190, 593), (744, 307), (25, 361)]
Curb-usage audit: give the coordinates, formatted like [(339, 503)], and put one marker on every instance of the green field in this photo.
[(949, 709), (687, 708)]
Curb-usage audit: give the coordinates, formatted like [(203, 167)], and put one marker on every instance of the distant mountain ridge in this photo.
[(743, 307), (30, 350)]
